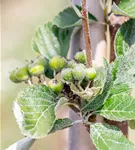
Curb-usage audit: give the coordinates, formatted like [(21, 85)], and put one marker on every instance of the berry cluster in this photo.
[(71, 72), (33, 68)]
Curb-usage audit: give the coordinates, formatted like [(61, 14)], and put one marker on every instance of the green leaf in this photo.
[(23, 144), (106, 137), (125, 7), (34, 110), (119, 107), (99, 100), (126, 69), (131, 124), (50, 40), (45, 42), (64, 37), (62, 101), (61, 124), (68, 18), (125, 38), (115, 66), (119, 88)]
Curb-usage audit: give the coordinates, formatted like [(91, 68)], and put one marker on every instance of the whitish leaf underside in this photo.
[(106, 137)]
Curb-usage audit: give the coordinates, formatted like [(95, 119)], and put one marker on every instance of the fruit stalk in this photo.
[(86, 31)]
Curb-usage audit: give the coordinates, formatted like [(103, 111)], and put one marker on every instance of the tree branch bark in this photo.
[(86, 29)]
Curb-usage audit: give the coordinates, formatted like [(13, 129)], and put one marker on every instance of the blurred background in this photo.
[(19, 20)]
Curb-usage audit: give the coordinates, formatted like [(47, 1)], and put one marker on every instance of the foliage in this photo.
[(105, 91)]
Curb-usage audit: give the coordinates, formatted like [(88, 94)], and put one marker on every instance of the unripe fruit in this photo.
[(38, 66), (80, 65), (80, 57), (72, 64), (22, 74), (13, 77), (57, 63), (78, 73), (55, 85), (90, 73), (66, 74)]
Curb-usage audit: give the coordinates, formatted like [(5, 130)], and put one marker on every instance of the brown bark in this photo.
[(86, 32)]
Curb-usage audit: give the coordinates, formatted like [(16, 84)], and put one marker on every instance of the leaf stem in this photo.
[(86, 31)]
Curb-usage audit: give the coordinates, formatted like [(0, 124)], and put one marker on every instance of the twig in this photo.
[(86, 30)]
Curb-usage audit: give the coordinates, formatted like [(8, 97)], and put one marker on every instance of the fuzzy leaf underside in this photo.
[(50, 40), (68, 18), (61, 124), (119, 88), (23, 144), (34, 110), (125, 38), (106, 137), (125, 8), (126, 69), (119, 107), (45, 42), (99, 100)]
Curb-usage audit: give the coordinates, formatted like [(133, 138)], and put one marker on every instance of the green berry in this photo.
[(72, 64), (13, 77), (38, 66), (90, 73), (42, 61), (80, 65), (55, 85), (57, 63), (78, 73), (66, 74), (22, 73), (80, 57)]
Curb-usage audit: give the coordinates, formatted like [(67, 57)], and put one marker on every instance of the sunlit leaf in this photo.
[(119, 107), (126, 69), (106, 137), (50, 40), (125, 8), (34, 110), (125, 38), (68, 18)]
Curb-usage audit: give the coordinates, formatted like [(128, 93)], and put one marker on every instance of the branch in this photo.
[(86, 31)]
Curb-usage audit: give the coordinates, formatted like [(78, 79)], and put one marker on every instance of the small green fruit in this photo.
[(55, 85), (80, 65), (90, 73), (80, 57), (78, 73), (57, 63), (13, 77), (22, 74), (71, 64), (66, 74), (38, 66)]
